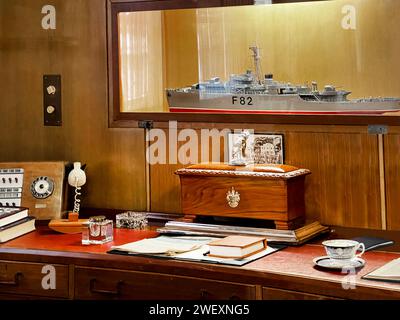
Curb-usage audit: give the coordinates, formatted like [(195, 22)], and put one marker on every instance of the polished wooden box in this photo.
[(270, 192)]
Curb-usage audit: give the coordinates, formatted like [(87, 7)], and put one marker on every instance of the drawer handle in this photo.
[(233, 198), (12, 283), (115, 293)]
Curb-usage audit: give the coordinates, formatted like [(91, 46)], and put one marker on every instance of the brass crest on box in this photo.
[(233, 198)]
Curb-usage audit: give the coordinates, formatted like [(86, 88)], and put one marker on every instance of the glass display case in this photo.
[(244, 63)]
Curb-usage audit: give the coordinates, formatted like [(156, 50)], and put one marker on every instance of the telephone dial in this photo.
[(42, 187), (39, 186)]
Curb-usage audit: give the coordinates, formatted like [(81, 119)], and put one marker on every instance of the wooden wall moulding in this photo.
[(392, 178)]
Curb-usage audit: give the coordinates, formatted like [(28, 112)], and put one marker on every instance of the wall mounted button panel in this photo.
[(52, 100)]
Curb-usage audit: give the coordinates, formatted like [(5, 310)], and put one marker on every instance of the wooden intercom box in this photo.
[(270, 192), (39, 186)]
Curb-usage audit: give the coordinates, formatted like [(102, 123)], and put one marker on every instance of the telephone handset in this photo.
[(76, 179)]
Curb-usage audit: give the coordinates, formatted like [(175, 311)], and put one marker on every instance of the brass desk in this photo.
[(88, 272)]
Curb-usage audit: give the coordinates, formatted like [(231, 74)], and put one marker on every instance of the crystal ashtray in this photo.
[(132, 220)]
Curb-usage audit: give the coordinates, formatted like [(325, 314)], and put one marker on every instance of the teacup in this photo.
[(342, 249)]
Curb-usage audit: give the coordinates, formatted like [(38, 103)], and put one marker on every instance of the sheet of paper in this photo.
[(196, 249), (164, 245), (391, 270)]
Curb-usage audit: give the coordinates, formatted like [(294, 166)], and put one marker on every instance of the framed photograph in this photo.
[(248, 148)]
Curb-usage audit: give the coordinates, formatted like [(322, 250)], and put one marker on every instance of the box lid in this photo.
[(270, 171)]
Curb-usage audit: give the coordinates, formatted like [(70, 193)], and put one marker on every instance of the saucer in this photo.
[(328, 263)]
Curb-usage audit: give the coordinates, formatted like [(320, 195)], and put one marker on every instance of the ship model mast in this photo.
[(257, 58)]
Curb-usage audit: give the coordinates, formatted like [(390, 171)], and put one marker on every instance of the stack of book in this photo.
[(237, 247), (15, 222)]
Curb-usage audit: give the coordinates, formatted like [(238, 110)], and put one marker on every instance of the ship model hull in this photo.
[(273, 104), (248, 93)]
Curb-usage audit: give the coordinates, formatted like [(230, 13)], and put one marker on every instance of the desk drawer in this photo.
[(98, 283), (26, 278), (280, 294)]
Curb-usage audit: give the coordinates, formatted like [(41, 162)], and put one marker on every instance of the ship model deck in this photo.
[(247, 93)]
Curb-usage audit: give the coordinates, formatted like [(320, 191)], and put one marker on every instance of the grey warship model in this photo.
[(248, 93)]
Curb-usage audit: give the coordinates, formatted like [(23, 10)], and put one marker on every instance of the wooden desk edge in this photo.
[(309, 285)]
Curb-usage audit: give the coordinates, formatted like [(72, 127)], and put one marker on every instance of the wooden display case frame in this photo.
[(118, 119)]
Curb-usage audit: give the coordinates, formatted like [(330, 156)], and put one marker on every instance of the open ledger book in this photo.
[(388, 272), (169, 246), (184, 248)]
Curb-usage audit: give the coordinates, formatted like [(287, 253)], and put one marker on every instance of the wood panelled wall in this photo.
[(342, 190), (392, 175), (115, 158)]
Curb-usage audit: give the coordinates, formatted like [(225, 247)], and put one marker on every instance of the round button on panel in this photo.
[(50, 109), (51, 89), (42, 187)]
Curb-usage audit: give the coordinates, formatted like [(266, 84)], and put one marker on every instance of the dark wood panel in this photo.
[(165, 186), (392, 179), (129, 120), (165, 189), (343, 188), (14, 297), (96, 283), (76, 50), (26, 278)]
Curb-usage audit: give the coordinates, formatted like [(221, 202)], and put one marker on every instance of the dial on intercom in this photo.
[(39, 186)]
